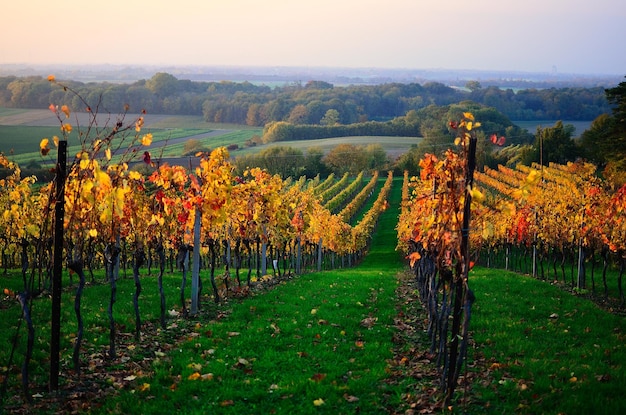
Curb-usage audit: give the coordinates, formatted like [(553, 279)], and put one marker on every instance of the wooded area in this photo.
[(297, 103)]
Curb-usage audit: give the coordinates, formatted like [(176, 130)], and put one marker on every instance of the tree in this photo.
[(330, 118), (313, 164), (318, 85), (473, 85), (162, 84), (299, 115), (346, 158), (252, 117), (282, 160), (616, 154), (596, 142), (376, 156), (554, 144)]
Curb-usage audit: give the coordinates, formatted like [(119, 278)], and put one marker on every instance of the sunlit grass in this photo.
[(548, 350)]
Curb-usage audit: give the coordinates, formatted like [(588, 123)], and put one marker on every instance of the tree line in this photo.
[(309, 103)]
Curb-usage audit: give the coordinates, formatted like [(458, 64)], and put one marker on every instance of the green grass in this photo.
[(16, 140), (238, 137), (10, 111), (393, 145), (548, 351)]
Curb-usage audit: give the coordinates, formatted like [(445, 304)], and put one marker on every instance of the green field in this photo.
[(22, 130), (18, 140), (393, 145)]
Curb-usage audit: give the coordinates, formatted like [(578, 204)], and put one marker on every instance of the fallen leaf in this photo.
[(495, 366), (603, 378), (318, 402), (350, 398), (233, 333), (369, 322), (131, 377), (195, 366), (359, 343), (318, 377), (243, 362), (194, 376)]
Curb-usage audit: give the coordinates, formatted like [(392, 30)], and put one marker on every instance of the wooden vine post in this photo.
[(57, 270), (462, 293)]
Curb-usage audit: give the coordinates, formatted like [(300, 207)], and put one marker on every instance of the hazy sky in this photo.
[(571, 36)]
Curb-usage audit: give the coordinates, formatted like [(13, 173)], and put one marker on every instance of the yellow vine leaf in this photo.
[(43, 143), (106, 215), (469, 116), (55, 139), (157, 220), (107, 152), (32, 230), (93, 233), (102, 178), (66, 128), (15, 196), (476, 195), (488, 231), (120, 194), (66, 110), (318, 402), (86, 190), (146, 140), (533, 177), (51, 78)]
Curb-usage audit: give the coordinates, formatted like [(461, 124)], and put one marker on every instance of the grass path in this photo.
[(317, 344)]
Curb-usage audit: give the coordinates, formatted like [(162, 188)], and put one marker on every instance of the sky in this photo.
[(567, 36)]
